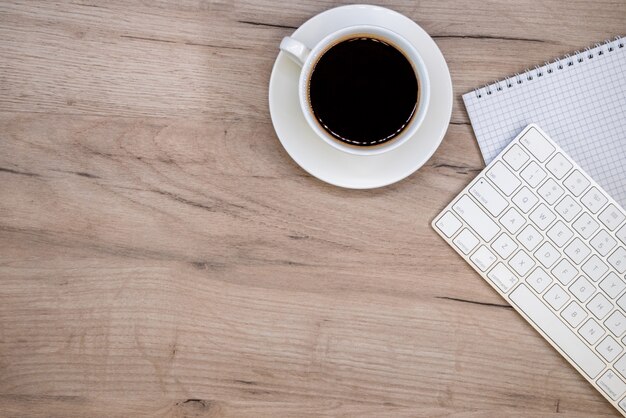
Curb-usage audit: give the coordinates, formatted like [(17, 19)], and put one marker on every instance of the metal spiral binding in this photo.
[(559, 64), (600, 52), (551, 67), (579, 57), (569, 60)]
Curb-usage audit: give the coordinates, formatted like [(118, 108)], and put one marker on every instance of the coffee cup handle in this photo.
[(296, 50)]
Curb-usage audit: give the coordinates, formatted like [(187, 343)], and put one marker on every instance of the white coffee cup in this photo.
[(307, 58)]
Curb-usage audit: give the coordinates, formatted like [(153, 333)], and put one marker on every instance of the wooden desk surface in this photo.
[(161, 254)]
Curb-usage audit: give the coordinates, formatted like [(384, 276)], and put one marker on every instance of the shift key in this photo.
[(474, 216)]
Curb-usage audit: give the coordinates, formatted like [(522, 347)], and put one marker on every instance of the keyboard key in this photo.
[(591, 331), (574, 314), (547, 254), (525, 199), (582, 289), (603, 242), (550, 191), (557, 331), (502, 277), (612, 285), (542, 216), (622, 404), (488, 196), (504, 246), (530, 237), (560, 233), (466, 241), (600, 306), (609, 348), (516, 157), (538, 146), (594, 200), (521, 263), (577, 250), (559, 165), (616, 323), (620, 366), (539, 280), (564, 271), (474, 216), (502, 177), (576, 183), (483, 258), (533, 174), (595, 268), (512, 220), (622, 302), (618, 260), (621, 234), (611, 217), (568, 208), (585, 225), (612, 385), (556, 297), (448, 224)]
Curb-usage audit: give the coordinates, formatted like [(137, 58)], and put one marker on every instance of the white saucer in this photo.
[(337, 167)]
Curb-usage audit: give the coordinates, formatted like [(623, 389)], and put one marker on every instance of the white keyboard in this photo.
[(539, 230)]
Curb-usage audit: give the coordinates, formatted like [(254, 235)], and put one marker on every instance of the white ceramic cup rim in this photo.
[(396, 40)]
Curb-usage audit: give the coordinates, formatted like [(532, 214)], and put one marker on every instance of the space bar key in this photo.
[(557, 331)]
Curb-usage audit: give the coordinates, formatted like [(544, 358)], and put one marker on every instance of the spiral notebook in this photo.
[(579, 99)]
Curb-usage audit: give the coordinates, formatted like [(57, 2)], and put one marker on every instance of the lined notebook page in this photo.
[(579, 100)]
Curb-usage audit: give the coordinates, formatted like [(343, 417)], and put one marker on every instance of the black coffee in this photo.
[(363, 91)]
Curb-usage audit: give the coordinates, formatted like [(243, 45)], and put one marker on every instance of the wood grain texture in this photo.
[(161, 255)]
